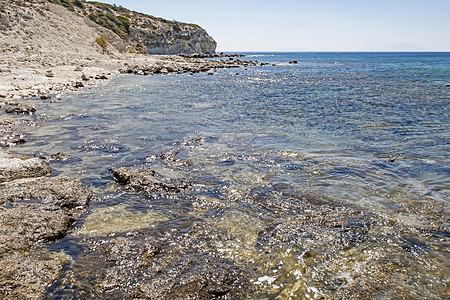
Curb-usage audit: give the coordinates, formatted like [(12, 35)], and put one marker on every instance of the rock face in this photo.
[(172, 37), (145, 33)]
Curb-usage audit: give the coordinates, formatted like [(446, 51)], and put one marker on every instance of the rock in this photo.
[(45, 97), (33, 211), (15, 166), (78, 69), (293, 62), (170, 69), (61, 193), (26, 275), (448, 85), (49, 74), (84, 78), (9, 135), (78, 84), (16, 108), (194, 277), (58, 157), (146, 180), (164, 71)]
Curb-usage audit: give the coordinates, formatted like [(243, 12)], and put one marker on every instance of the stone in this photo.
[(146, 181), (34, 211), (16, 108), (293, 62), (78, 84), (45, 97), (57, 157), (16, 166), (84, 78), (60, 193), (164, 71)]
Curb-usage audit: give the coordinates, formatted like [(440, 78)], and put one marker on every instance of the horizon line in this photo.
[(341, 51)]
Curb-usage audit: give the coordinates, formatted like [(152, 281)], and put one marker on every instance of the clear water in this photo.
[(368, 132)]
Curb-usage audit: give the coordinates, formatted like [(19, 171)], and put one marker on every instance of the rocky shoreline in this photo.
[(36, 208)]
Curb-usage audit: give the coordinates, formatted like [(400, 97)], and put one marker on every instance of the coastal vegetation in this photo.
[(68, 3), (117, 24), (102, 41)]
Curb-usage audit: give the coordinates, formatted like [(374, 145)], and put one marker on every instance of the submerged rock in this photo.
[(25, 276)]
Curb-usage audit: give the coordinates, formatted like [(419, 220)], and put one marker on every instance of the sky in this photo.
[(311, 25)]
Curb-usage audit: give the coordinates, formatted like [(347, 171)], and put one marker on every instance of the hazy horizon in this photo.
[(302, 26)]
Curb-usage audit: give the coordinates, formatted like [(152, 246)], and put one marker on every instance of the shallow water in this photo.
[(326, 178)]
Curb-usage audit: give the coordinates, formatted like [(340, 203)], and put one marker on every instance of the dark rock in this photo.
[(293, 62), (79, 84), (16, 108), (45, 97), (58, 157), (146, 180), (194, 277), (15, 166), (84, 78), (9, 134), (49, 74)]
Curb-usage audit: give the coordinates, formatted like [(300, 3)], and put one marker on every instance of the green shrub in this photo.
[(103, 42), (117, 24), (68, 3)]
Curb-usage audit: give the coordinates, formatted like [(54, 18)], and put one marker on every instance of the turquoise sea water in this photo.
[(368, 132)]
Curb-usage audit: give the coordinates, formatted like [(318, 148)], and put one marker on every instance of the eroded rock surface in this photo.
[(16, 166), (33, 210), (145, 180)]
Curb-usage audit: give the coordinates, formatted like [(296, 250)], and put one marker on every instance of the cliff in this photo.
[(52, 46), (91, 29), (143, 33)]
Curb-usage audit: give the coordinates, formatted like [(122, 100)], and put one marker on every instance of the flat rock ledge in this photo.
[(15, 166), (33, 210)]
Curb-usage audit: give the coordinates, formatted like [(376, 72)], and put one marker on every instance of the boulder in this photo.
[(146, 181), (16, 166), (17, 108)]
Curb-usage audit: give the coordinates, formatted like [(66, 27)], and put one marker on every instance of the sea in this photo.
[(325, 178)]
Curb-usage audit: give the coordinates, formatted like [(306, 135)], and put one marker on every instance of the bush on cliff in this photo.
[(68, 3), (118, 24)]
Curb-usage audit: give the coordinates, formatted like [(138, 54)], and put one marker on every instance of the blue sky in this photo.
[(327, 25)]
